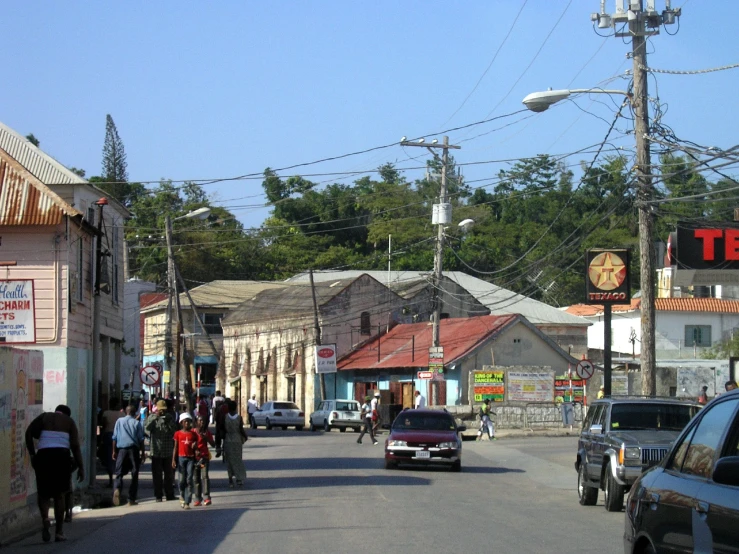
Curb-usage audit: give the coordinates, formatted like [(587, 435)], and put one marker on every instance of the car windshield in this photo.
[(633, 417), (347, 406), (285, 406), (424, 422)]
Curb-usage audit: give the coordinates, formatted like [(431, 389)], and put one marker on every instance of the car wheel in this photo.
[(284, 427), (312, 427), (648, 549), (614, 495), (357, 429), (298, 427), (390, 465), (588, 495), (268, 424), (342, 429), (326, 426), (456, 466)]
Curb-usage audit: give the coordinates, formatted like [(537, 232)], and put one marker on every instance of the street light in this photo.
[(200, 213), (539, 102)]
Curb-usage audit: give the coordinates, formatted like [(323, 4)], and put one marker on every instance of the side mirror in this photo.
[(461, 428), (726, 471), (596, 429)]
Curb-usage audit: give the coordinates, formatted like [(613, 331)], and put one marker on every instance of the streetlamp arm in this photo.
[(540, 101)]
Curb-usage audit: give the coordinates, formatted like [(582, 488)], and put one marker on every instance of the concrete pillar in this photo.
[(105, 371)]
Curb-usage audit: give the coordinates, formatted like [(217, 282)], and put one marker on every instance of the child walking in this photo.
[(202, 465), (183, 458)]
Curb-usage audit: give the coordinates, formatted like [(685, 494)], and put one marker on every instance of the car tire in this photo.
[(588, 495), (390, 465), (456, 466), (284, 427), (268, 424), (342, 429), (298, 427), (648, 549), (312, 427), (614, 493), (357, 429), (326, 426)]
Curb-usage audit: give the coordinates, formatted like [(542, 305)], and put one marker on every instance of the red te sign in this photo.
[(709, 236)]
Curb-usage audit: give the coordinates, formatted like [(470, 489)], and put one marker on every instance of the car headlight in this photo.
[(396, 443), (454, 445), (630, 455)]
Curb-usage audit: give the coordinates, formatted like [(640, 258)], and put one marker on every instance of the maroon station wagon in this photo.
[(426, 437)]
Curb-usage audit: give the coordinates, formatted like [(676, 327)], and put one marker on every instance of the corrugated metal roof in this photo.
[(290, 300), (705, 305), (227, 295), (498, 300), (407, 346), (42, 166)]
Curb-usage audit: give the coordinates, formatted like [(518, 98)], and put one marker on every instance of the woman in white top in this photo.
[(56, 434)]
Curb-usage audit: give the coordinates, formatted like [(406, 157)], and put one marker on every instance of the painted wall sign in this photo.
[(607, 280), (525, 386), (17, 311)]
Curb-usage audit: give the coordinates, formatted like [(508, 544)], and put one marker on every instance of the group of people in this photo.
[(370, 414)]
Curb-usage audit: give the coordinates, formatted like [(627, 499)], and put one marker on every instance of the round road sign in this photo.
[(585, 369), (150, 375)]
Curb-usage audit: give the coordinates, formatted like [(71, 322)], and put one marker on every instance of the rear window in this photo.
[(285, 406), (633, 417), (430, 422), (347, 406)]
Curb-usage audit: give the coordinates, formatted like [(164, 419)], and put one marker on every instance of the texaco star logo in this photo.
[(607, 271)]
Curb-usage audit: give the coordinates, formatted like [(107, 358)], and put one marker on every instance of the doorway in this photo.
[(407, 395)]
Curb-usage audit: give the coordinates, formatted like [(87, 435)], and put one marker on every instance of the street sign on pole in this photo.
[(425, 375), (150, 375), (585, 369)]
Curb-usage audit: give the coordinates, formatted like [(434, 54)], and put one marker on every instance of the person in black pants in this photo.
[(161, 426), (367, 416)]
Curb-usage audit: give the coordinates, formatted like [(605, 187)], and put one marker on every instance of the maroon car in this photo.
[(427, 437)]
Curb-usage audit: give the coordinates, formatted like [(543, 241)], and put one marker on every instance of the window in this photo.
[(114, 277), (697, 335), (365, 327), (212, 323), (634, 417), (707, 438)]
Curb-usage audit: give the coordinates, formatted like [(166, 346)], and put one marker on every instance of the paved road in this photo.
[(316, 492)]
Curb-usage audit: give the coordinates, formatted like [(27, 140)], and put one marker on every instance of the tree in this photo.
[(114, 178), (33, 140)]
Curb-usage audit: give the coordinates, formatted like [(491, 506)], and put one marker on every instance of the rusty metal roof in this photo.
[(24, 198), (704, 305)]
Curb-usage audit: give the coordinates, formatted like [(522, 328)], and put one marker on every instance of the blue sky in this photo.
[(223, 89)]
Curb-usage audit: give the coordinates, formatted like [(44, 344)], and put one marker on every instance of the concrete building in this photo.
[(133, 289)]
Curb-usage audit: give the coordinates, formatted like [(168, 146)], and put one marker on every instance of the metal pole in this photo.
[(96, 353), (640, 104), (607, 362)]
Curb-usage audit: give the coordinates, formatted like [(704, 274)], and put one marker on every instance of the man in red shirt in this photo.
[(183, 458)]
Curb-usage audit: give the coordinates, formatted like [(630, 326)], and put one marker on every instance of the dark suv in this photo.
[(621, 438)]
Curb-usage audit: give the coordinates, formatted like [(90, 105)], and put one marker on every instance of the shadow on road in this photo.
[(492, 470), (281, 464), (314, 481)]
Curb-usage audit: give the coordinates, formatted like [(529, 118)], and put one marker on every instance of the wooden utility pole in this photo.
[(442, 220), (640, 105), (174, 300), (317, 329)]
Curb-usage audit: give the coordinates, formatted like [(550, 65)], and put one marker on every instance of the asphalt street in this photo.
[(323, 492)]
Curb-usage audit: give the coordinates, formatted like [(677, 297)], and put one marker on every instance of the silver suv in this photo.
[(621, 437), (336, 414)]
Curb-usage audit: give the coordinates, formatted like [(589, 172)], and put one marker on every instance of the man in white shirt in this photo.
[(218, 400), (420, 401), (252, 406), (375, 413)]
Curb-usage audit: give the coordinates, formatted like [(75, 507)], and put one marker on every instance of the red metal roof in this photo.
[(709, 305), (407, 345)]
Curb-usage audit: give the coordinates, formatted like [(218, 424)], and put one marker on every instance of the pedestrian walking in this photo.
[(143, 411), (183, 458), (367, 418), (202, 409), (374, 406), (252, 406), (109, 418), (703, 396), (730, 385), (56, 435), (233, 435), (419, 401), (128, 450), (202, 465), (161, 427), (486, 422), (601, 392)]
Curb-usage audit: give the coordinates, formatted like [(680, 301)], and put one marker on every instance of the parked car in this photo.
[(690, 501), (339, 414), (623, 437), (279, 414), (427, 437)]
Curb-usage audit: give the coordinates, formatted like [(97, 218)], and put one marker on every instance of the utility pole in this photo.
[(96, 353), (632, 20), (317, 328), (173, 339), (442, 216)]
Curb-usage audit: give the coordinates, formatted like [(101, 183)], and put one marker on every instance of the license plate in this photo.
[(423, 454)]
